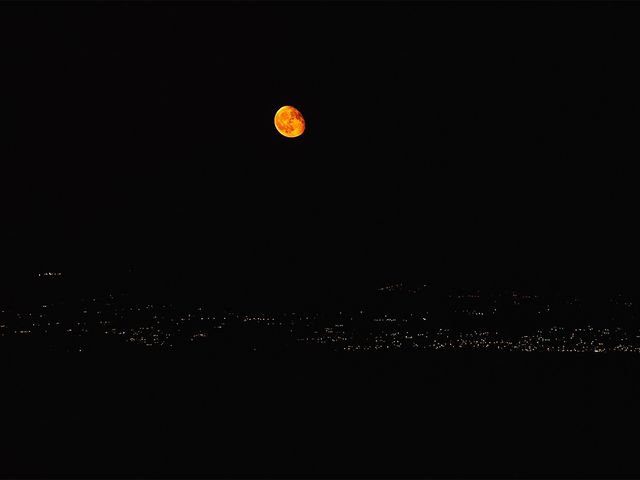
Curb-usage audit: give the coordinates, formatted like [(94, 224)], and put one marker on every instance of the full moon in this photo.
[(289, 121)]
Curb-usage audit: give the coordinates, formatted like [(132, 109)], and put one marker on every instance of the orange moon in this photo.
[(289, 121)]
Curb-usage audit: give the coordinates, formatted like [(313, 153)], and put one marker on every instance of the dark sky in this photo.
[(455, 142)]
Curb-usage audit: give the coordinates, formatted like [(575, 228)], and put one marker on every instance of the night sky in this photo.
[(227, 302), (472, 144)]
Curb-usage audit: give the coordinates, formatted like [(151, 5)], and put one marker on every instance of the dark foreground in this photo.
[(456, 414)]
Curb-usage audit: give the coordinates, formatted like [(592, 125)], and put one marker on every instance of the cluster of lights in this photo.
[(391, 288), (556, 339), (162, 325)]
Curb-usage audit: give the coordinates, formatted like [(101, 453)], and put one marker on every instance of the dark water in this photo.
[(436, 414)]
